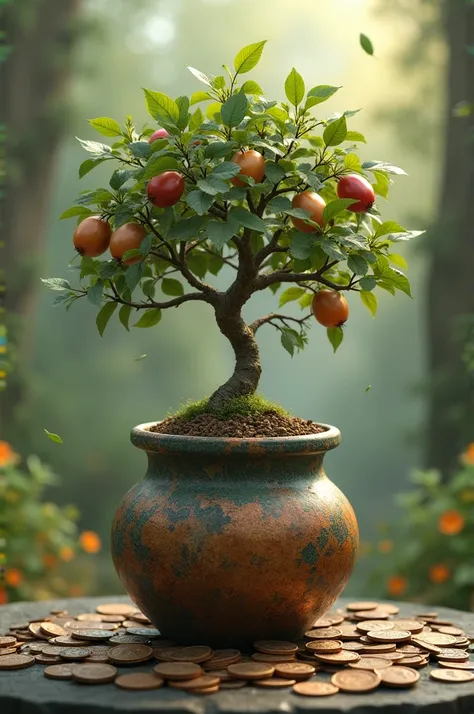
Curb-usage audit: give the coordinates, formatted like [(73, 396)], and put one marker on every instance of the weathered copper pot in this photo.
[(230, 540)]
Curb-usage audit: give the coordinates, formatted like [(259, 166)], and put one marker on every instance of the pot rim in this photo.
[(154, 442)]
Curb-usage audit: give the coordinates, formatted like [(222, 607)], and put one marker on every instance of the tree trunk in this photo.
[(450, 290), (246, 376), (32, 85)]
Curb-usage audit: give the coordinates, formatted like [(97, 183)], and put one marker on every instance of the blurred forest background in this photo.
[(71, 60)]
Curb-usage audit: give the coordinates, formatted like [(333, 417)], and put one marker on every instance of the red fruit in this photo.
[(314, 204), (357, 187), (252, 164), (165, 189), (158, 134), (92, 237), (330, 308), (127, 237)]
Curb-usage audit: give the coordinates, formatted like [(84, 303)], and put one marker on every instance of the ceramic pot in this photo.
[(226, 541)]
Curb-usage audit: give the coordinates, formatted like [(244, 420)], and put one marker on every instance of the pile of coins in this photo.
[(362, 648)]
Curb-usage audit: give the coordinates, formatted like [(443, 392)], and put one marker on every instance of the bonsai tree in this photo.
[(268, 190)]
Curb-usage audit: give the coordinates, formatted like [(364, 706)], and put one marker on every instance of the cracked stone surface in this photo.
[(28, 691)]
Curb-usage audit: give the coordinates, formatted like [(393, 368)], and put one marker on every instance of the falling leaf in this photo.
[(367, 389), (53, 437), (137, 359), (366, 44)]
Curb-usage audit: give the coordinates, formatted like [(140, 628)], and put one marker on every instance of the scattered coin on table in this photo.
[(93, 673), (139, 681), (456, 676), (74, 653), (58, 671), (315, 689), (356, 680), (16, 661), (178, 670), (130, 654), (399, 677)]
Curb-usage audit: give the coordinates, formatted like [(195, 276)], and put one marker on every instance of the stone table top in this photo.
[(28, 691)]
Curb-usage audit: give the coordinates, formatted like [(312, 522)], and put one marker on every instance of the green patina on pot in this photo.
[(230, 540)]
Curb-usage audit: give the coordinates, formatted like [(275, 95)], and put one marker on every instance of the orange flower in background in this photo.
[(13, 577), (396, 585), (7, 455), (439, 573), (450, 523), (3, 596), (76, 591), (90, 542), (385, 546), (468, 456), (67, 553), (50, 561)]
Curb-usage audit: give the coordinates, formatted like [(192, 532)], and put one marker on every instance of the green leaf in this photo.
[(294, 88), (104, 316), (200, 75), (335, 133), (234, 109), (384, 167), (76, 211), (247, 219), (406, 235), (149, 318), (355, 136), (54, 437), (332, 250), (106, 126), (56, 283), (133, 275), (200, 96), (196, 120), (161, 107), (335, 336), (123, 214), (119, 177), (187, 228), (157, 164), (248, 57), (398, 280), (199, 201), (333, 208), (90, 164), (183, 106), (366, 44), (140, 149), (370, 301), (352, 162), (274, 173), (100, 195), (219, 149), (213, 112), (172, 287), (357, 264), (251, 87), (108, 269), (124, 315), (388, 227), (301, 245), (220, 232), (398, 260), (291, 294), (368, 283), (291, 340), (198, 263), (225, 170), (95, 147), (382, 185), (94, 294), (320, 94)]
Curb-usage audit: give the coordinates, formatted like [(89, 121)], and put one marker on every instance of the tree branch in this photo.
[(281, 276), (268, 319), (175, 302)]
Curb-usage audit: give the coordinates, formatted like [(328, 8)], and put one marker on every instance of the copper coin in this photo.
[(52, 630), (356, 606), (58, 612), (98, 654), (119, 619), (7, 651), (371, 663), (223, 674), (16, 661), (427, 615), (353, 646), (128, 640), (139, 681), (391, 656), (58, 671), (178, 670), (323, 633), (143, 631), (342, 657), (411, 660), (356, 680), (453, 676), (91, 635), (274, 683), (379, 648), (250, 670), (233, 684), (412, 626), (223, 658), (34, 628), (197, 654), (7, 641), (373, 614), (130, 654), (76, 626), (399, 677), (426, 645), (348, 632), (19, 626), (315, 689), (93, 673), (116, 609), (451, 631), (166, 654), (324, 622), (269, 658), (51, 650), (410, 649), (368, 625), (66, 641), (456, 665), (295, 670), (205, 690), (275, 647), (74, 653), (453, 654), (202, 682), (47, 659), (324, 645), (389, 635), (435, 638), (89, 617), (139, 617), (388, 607)]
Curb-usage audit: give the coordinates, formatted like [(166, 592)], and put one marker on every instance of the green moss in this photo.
[(240, 406)]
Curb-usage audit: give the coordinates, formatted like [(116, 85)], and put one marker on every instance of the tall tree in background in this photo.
[(33, 80), (450, 292)]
